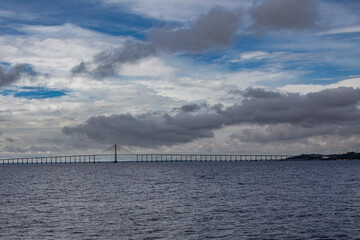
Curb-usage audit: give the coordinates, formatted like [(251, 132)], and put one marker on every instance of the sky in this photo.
[(205, 76)]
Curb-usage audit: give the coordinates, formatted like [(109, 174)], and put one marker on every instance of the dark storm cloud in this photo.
[(190, 108), (147, 130), (215, 29), (259, 93), (285, 14), (12, 74), (337, 108), (109, 61), (80, 68), (193, 107), (10, 140), (328, 106)]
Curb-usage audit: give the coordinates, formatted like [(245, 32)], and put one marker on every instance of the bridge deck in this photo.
[(143, 157)]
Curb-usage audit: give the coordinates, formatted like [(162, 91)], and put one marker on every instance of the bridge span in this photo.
[(127, 156), (207, 157)]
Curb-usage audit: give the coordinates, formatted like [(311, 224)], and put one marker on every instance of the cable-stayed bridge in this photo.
[(117, 154)]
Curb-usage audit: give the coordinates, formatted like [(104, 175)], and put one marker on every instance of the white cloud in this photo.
[(262, 77), (342, 30), (306, 88), (150, 67), (251, 56), (16, 15), (176, 10), (254, 55), (53, 50)]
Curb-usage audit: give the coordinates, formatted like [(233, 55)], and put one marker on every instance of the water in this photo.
[(212, 200)]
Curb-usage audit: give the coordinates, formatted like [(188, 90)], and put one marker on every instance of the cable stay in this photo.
[(119, 150)]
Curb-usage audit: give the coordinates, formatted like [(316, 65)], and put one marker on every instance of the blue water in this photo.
[(203, 200)]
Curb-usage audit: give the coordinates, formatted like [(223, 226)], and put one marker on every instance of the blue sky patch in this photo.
[(34, 92), (88, 14), (6, 64)]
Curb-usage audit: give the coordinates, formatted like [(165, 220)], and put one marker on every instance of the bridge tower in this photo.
[(115, 157)]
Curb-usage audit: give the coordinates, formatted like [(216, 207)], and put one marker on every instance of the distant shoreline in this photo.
[(323, 157)]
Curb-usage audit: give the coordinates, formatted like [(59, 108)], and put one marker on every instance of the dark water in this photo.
[(224, 200)]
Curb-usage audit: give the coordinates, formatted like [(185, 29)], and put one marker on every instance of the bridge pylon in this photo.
[(115, 156)]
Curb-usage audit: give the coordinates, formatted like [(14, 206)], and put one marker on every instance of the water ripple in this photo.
[(242, 200)]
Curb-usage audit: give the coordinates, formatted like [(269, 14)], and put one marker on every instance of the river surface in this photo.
[(195, 200)]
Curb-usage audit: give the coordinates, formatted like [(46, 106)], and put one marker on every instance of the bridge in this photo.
[(119, 154)]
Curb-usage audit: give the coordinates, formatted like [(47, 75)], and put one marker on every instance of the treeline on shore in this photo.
[(344, 156)]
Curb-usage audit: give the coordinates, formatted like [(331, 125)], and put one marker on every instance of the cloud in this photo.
[(107, 62), (12, 74), (146, 130), (285, 14), (342, 30), (215, 29), (9, 139), (12, 148), (307, 88), (80, 68), (31, 149), (336, 106), (331, 107), (288, 132), (260, 93), (175, 10), (193, 107)]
